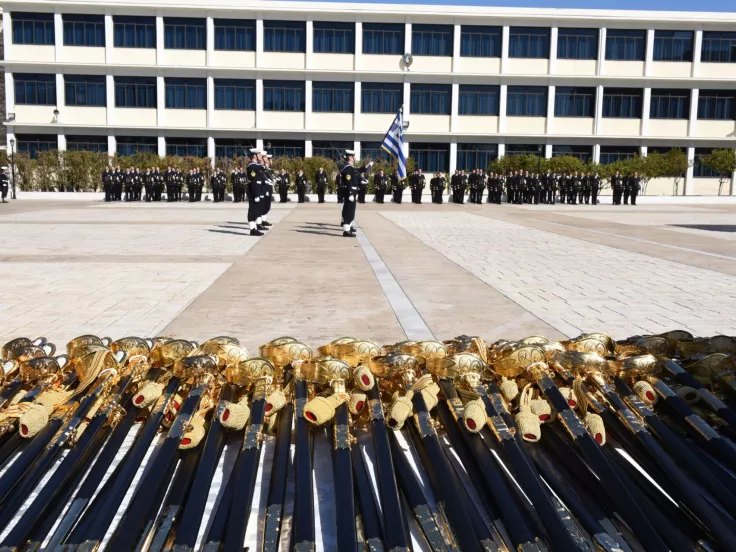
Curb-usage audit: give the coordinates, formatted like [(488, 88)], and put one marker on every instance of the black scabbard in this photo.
[(347, 538), (9, 391), (191, 516), (245, 474), (714, 403), (366, 503), (627, 507), (141, 512), (11, 443), (279, 477), (303, 532), (394, 536)]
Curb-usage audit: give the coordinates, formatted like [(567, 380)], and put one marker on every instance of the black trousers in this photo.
[(594, 196), (108, 192), (616, 197), (398, 195), (379, 195), (361, 194), (340, 195), (157, 192), (320, 193), (192, 194), (301, 193), (254, 209), (626, 197), (634, 194), (4, 191), (283, 193), (348, 211)]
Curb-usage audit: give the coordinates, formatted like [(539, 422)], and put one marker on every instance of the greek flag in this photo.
[(393, 142)]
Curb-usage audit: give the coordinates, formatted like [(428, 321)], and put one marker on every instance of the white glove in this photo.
[(369, 165), (268, 193), (350, 198), (258, 199)]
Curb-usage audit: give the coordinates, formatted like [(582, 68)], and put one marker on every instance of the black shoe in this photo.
[(261, 227), (353, 230), (255, 232), (266, 224), (348, 235)]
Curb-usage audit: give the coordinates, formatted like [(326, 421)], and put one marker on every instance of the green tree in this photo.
[(25, 172), (48, 171), (723, 161), (566, 164), (675, 165)]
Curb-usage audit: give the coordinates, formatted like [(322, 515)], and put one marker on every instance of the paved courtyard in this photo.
[(74, 267)]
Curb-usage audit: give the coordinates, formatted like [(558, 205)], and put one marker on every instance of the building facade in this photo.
[(177, 77)]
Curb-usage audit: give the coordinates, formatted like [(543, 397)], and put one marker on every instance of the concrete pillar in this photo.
[(596, 153), (649, 53), (502, 100), (161, 146), (456, 34), (643, 150), (356, 149), (501, 150), (8, 34), (358, 45), (308, 148), (693, 117), (601, 50), (259, 104), (308, 104), (553, 49), (688, 184), (109, 38), (211, 150), (598, 109), (210, 101), (453, 155), (159, 40), (697, 50), (160, 101), (58, 35), (112, 145), (357, 105), (61, 142), (259, 41), (210, 39), (407, 37), (550, 109), (505, 49), (9, 91), (454, 101), (407, 101), (646, 106), (548, 151), (733, 184), (60, 97), (310, 44), (259, 143), (110, 98)]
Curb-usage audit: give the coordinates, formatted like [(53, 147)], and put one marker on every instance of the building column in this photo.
[(649, 53), (598, 109), (550, 109), (210, 40), (502, 99), (61, 142), (60, 97), (505, 49), (9, 91), (159, 40), (693, 118), (259, 144), (454, 101), (553, 49), (259, 41), (407, 101), (308, 104), (688, 184), (210, 101), (406, 150), (112, 145), (501, 151), (358, 45), (697, 49), (110, 98), (407, 37), (310, 44), (548, 151), (211, 150), (8, 34), (453, 155), (601, 50), (643, 150), (308, 148), (161, 146), (356, 149), (259, 104), (596, 153), (456, 35), (109, 38), (58, 35), (646, 106), (357, 105), (160, 101), (733, 183)]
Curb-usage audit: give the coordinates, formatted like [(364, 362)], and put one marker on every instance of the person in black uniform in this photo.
[(626, 188), (340, 187), (320, 180), (397, 187), (595, 188), (352, 178), (634, 187), (362, 190), (617, 185), (255, 191), (584, 195), (218, 183), (433, 186), (5, 184), (301, 185), (270, 187), (379, 186), (158, 184), (106, 179)]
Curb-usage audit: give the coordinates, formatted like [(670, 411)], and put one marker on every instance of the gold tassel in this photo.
[(172, 410), (196, 432), (543, 410), (356, 402), (509, 389), (37, 416), (363, 378), (569, 395), (528, 422), (148, 394), (474, 416), (687, 394), (430, 395), (275, 401), (235, 415), (646, 392), (401, 408), (321, 410), (594, 425)]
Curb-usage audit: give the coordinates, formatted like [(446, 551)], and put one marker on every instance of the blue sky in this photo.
[(667, 5)]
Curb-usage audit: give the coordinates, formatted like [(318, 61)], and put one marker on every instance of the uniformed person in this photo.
[(595, 188), (362, 190), (5, 184), (433, 185), (634, 187), (301, 186), (380, 183), (254, 191), (106, 179), (340, 187), (320, 180), (584, 195), (397, 187), (351, 178), (266, 161), (617, 186)]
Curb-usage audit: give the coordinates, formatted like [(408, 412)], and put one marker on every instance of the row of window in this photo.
[(338, 97), (378, 38), (430, 157)]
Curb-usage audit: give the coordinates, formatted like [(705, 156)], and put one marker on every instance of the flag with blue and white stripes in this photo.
[(393, 142)]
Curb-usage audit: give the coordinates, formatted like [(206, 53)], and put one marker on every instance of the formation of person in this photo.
[(134, 184)]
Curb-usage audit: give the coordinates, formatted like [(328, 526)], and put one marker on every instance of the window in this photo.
[(284, 36), (373, 150), (134, 32), (33, 28), (719, 47), (33, 144), (574, 102), (529, 42), (185, 33), (334, 38), (130, 145), (85, 90), (524, 149), (625, 45), (96, 144), (623, 103), (283, 95), (670, 104), (673, 46), (475, 156), (611, 154), (430, 157), (431, 40), (383, 39), (577, 43), (431, 99), (235, 94), (287, 148), (381, 97), (186, 147), (186, 93), (700, 169), (717, 105), (84, 30), (476, 41), (331, 150), (478, 100), (527, 101), (229, 148), (333, 97), (135, 92), (35, 89), (238, 35), (584, 153)]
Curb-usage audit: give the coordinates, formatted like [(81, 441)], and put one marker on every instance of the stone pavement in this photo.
[(74, 267)]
